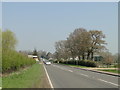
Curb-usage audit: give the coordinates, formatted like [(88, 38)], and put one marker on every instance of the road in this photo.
[(62, 76)]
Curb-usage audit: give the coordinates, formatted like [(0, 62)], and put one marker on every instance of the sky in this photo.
[(40, 24), (60, 0), (0, 15)]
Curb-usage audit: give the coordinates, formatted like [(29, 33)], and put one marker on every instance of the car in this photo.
[(48, 63)]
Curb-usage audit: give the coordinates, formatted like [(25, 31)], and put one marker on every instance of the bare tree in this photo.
[(116, 57), (81, 43), (108, 58), (97, 43), (71, 47), (35, 52), (42, 53), (56, 55), (49, 55), (82, 40), (61, 50)]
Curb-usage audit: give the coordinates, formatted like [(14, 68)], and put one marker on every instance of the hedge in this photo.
[(87, 63), (12, 60)]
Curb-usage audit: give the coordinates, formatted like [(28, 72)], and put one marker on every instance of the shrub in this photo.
[(12, 60), (87, 63)]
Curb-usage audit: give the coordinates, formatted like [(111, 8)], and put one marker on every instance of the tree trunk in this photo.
[(79, 57), (73, 57), (83, 57), (91, 55), (88, 55), (72, 53)]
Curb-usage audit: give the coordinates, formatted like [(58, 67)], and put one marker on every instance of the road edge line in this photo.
[(48, 77)]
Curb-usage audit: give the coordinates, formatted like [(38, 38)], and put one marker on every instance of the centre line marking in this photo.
[(70, 70), (108, 82), (84, 75)]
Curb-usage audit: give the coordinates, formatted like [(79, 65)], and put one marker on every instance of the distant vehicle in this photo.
[(47, 62)]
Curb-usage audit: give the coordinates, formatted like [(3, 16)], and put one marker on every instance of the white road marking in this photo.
[(48, 77), (62, 68), (70, 70), (84, 75), (88, 76), (108, 82), (93, 77)]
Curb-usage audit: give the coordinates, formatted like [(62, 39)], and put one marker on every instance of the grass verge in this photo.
[(0, 81), (106, 70), (30, 78), (110, 70)]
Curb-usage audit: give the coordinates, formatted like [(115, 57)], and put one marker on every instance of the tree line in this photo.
[(81, 43)]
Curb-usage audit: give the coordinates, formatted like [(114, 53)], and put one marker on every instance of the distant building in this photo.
[(30, 56), (34, 57), (97, 58)]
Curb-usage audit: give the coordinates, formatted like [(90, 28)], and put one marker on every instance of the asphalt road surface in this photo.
[(62, 76)]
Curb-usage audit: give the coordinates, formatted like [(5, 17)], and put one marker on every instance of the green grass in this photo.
[(0, 81), (29, 78), (110, 70)]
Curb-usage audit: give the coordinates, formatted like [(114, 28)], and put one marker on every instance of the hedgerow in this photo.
[(12, 60), (87, 63)]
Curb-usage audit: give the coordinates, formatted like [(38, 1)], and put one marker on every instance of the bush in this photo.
[(87, 63), (12, 60)]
